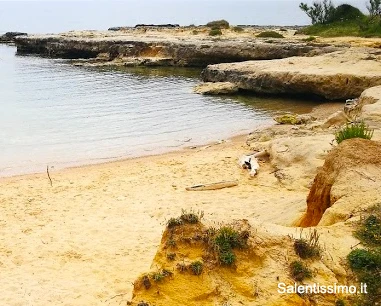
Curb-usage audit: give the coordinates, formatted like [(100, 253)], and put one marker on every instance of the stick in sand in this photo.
[(47, 171)]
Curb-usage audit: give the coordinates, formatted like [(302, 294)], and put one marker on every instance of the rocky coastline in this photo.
[(9, 37), (338, 75), (290, 65), (143, 45), (94, 219)]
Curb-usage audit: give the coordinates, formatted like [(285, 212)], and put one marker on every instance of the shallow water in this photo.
[(52, 113)]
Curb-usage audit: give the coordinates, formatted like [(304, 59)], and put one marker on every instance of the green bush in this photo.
[(238, 29), (367, 265), (270, 34), (311, 38), (354, 130), (194, 32), (196, 267), (360, 259), (299, 271), (174, 222), (370, 231), (220, 24), (345, 12), (224, 240), (227, 257), (215, 32)]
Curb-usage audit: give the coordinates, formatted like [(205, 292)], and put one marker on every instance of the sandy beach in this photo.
[(86, 238)]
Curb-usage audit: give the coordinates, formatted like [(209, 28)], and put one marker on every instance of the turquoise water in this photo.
[(52, 113)]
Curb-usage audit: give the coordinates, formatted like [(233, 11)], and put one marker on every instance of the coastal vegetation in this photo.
[(238, 29), (270, 34), (308, 248), (225, 240), (344, 20), (354, 130), (220, 24), (308, 39), (299, 271), (215, 32), (366, 262)]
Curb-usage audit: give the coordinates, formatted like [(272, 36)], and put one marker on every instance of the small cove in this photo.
[(53, 113)]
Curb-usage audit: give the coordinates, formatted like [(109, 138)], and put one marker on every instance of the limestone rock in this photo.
[(336, 119), (182, 51), (294, 119), (298, 158), (370, 104), (217, 88), (10, 36), (338, 75), (348, 182)]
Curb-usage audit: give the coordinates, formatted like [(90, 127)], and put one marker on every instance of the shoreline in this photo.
[(233, 138), (111, 160), (241, 136)]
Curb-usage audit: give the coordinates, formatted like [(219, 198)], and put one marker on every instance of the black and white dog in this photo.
[(249, 162)]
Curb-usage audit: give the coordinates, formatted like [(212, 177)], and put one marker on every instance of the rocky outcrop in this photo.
[(294, 119), (10, 36), (185, 270), (348, 182), (370, 106), (338, 75), (218, 88), (182, 50)]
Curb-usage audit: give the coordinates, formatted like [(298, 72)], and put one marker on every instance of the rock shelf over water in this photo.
[(338, 75), (168, 48)]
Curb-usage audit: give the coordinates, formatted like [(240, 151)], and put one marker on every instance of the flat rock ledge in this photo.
[(338, 75), (218, 88), (119, 48)]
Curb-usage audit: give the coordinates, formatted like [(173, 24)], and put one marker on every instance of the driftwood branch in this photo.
[(47, 171)]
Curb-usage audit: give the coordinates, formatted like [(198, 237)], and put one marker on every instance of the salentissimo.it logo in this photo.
[(323, 289)]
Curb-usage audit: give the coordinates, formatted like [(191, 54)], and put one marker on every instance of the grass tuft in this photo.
[(174, 222), (308, 248), (196, 267), (191, 217), (354, 130), (225, 240), (299, 271), (171, 256)]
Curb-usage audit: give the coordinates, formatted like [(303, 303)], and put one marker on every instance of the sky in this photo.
[(53, 16)]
